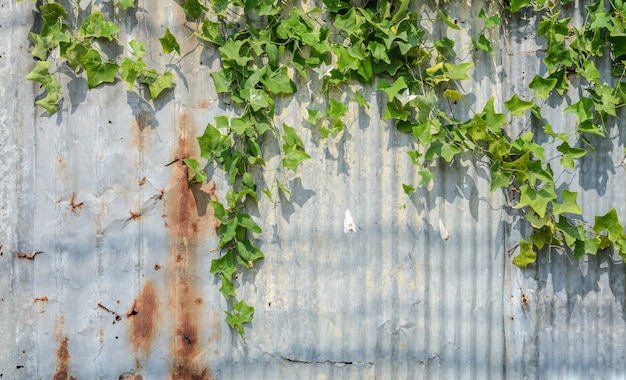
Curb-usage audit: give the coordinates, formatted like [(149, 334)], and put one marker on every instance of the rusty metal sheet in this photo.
[(105, 250)]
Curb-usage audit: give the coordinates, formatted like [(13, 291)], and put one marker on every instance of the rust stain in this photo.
[(157, 267), (74, 205), (205, 103), (27, 255), (41, 299), (142, 182), (143, 317), (182, 217), (187, 347), (188, 219), (130, 376), (61, 162), (63, 360), (187, 209), (182, 373), (134, 215)]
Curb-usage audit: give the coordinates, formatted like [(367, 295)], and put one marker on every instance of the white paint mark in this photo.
[(348, 223), (445, 235)]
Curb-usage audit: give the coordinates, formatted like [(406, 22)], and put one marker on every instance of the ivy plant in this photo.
[(268, 46)]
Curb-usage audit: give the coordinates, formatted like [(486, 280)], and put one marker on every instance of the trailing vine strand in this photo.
[(264, 44)]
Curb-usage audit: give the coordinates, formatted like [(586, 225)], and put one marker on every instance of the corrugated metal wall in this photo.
[(121, 287)]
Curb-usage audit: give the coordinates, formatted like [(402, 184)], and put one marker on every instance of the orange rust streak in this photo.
[(63, 360), (74, 205), (41, 299), (134, 215), (187, 347), (143, 317), (189, 217)]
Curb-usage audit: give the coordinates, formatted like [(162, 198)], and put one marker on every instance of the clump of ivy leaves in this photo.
[(79, 41), (264, 44)]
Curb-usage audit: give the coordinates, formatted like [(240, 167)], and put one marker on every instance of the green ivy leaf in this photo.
[(542, 86), (526, 255), (278, 82), (379, 51), (231, 52), (537, 199), (199, 175), (293, 157), (314, 116), (442, 149), (246, 222), (219, 212), (257, 98), (609, 223), (291, 138), (556, 55), (271, 50), (542, 236), (582, 108), (211, 142), (50, 103), (499, 178), (590, 71), (484, 44), (98, 72), (350, 23), (248, 253), (138, 49), (392, 89), (48, 40), (96, 26), (537, 222), (408, 189), (392, 112), (336, 109), (75, 52), (242, 313), (211, 32), (458, 72), (131, 70), (591, 245), (40, 73), (517, 106), (225, 266), (157, 83), (446, 19), (53, 11), (569, 154), (494, 120), (452, 95), (125, 4), (570, 233), (361, 100), (194, 8), (222, 80), (169, 43), (228, 288), (489, 21), (588, 126), (569, 204), (426, 176)]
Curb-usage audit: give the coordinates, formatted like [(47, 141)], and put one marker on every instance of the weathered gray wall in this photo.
[(122, 284)]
